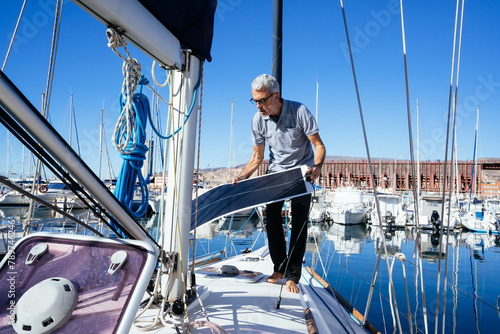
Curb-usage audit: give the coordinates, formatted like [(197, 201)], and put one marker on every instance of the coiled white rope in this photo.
[(154, 77), (125, 129)]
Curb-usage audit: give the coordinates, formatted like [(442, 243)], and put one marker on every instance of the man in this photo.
[(289, 129)]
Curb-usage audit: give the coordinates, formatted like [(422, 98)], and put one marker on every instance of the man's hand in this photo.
[(236, 179), (313, 173)]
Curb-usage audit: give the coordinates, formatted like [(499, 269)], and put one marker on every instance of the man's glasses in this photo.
[(261, 101)]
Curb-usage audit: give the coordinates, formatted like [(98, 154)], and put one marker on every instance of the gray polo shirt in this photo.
[(288, 143)]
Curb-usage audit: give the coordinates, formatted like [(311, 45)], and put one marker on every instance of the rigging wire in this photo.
[(381, 304), (53, 56), (46, 100), (75, 123), (418, 249), (48, 205), (450, 107), (371, 172), (402, 258), (14, 35), (378, 290), (452, 169), (224, 246), (341, 305)]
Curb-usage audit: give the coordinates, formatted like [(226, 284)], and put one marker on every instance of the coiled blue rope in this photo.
[(135, 155)]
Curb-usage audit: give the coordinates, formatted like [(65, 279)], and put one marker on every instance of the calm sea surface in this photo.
[(346, 256)]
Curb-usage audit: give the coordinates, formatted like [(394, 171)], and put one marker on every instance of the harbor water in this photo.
[(465, 272), (346, 257)]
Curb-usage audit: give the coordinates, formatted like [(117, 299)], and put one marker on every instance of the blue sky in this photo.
[(314, 46)]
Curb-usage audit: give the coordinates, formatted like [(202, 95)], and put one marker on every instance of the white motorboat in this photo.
[(346, 206), (392, 210)]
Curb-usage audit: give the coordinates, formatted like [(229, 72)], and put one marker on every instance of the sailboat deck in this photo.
[(239, 306)]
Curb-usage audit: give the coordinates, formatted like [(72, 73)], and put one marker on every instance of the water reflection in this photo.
[(348, 239)]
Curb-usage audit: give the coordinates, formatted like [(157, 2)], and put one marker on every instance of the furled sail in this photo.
[(191, 21), (161, 29)]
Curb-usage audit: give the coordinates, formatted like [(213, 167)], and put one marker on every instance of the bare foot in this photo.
[(291, 286), (275, 277)]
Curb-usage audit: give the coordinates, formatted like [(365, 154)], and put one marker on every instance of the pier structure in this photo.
[(397, 174)]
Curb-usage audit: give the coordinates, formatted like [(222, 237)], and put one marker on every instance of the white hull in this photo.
[(13, 198), (347, 216)]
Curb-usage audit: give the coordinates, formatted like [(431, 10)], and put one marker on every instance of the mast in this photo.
[(317, 100), (8, 155), (22, 165), (100, 140), (180, 173), (457, 192), (418, 154), (231, 135), (277, 41), (475, 151), (70, 118), (474, 163)]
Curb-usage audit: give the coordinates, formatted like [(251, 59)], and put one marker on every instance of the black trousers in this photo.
[(298, 237)]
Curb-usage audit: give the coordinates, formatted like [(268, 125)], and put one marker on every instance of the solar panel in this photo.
[(229, 198)]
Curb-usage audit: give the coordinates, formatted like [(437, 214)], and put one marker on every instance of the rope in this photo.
[(154, 77), (130, 131), (134, 154), (156, 293), (125, 129)]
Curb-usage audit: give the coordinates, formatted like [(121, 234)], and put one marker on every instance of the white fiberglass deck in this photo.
[(239, 306)]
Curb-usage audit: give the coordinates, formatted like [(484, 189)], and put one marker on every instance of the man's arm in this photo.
[(319, 157), (252, 164)]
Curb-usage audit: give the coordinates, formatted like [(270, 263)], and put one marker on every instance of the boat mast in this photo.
[(475, 151), (317, 100), (231, 144), (474, 172), (176, 227), (100, 140), (277, 41), (70, 118), (418, 154), (8, 155)]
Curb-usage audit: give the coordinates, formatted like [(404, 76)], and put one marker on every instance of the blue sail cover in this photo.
[(191, 21)]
